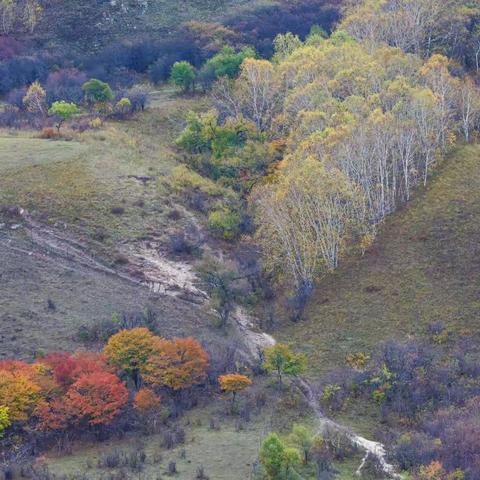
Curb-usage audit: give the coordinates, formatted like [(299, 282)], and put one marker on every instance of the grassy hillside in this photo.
[(76, 187), (103, 22), (424, 267)]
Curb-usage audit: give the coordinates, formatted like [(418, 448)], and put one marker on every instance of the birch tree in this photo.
[(306, 218)]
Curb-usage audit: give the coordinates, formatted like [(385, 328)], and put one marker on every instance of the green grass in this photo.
[(79, 182), (424, 267), (226, 453), (74, 184), (21, 152)]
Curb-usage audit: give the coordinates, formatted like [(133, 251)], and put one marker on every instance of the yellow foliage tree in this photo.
[(234, 383)]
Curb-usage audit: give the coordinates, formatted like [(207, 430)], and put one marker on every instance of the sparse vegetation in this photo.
[(171, 189)]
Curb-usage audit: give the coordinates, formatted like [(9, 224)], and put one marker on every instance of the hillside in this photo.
[(105, 22), (239, 239), (419, 271), (423, 268)]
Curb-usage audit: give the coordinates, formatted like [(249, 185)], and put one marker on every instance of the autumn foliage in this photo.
[(96, 398), (234, 383), (176, 364), (67, 368), (130, 350), (85, 389), (146, 401), (180, 363), (22, 388)]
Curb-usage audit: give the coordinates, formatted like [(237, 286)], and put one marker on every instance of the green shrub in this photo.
[(97, 91), (227, 62), (183, 75), (225, 223)]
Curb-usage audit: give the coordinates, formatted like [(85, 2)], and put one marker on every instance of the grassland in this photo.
[(169, 14), (226, 452), (74, 185), (79, 182), (424, 267)]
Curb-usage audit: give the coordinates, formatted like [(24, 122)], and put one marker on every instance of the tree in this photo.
[(255, 95), (130, 351), (68, 368), (20, 394), (7, 13), (146, 401), (234, 383), (305, 218), (177, 364), (24, 14), (277, 459), (281, 360), (35, 99), (219, 282), (285, 44), (227, 62), (183, 75), (5, 421), (416, 26), (97, 92), (23, 387), (271, 456), (64, 110), (468, 105), (96, 398), (302, 438), (148, 404)]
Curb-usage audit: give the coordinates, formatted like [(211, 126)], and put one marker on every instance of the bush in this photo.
[(96, 91), (127, 320), (123, 107), (117, 210), (138, 97), (183, 75), (66, 85), (16, 96), (48, 134), (414, 450), (160, 70), (179, 244), (225, 223), (227, 62), (21, 71), (9, 48)]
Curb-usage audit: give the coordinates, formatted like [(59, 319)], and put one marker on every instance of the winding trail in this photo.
[(371, 448), (166, 277)]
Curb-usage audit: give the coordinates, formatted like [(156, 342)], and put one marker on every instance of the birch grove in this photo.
[(363, 127)]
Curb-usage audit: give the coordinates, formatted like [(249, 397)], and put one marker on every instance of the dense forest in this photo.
[(239, 239)]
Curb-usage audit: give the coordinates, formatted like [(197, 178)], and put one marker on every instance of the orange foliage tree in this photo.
[(178, 364), (23, 387), (96, 398), (146, 401), (234, 383), (130, 351), (68, 368)]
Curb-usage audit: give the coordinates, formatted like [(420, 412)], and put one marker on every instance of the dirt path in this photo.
[(167, 277), (371, 448)]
